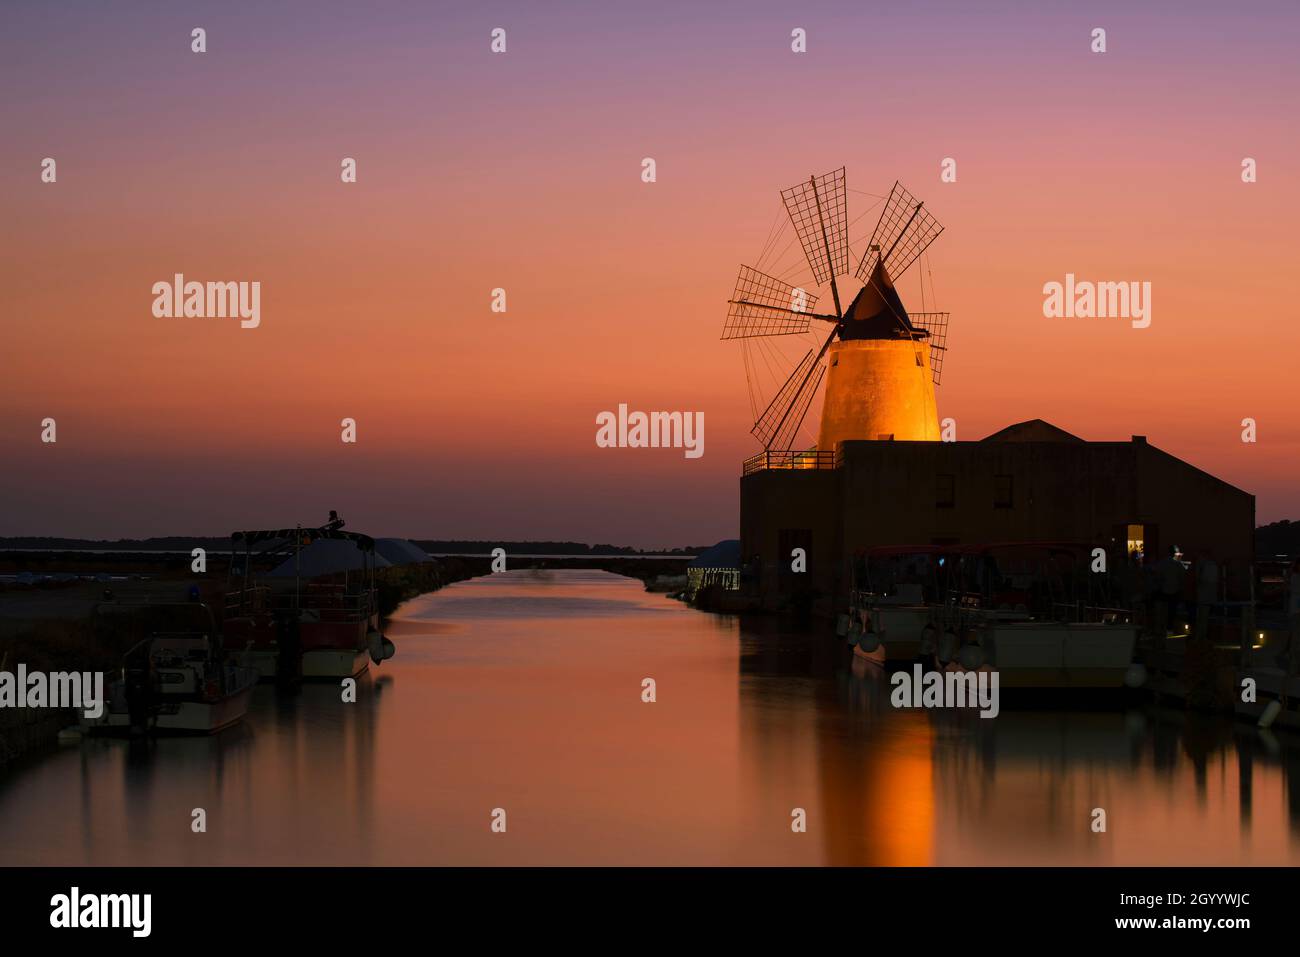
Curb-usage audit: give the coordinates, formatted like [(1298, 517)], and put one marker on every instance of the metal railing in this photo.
[(333, 601), (1080, 612), (811, 459), (242, 601), (698, 579)]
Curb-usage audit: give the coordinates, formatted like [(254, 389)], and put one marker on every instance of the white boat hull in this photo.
[(1033, 654), (334, 663), (899, 629), (186, 717), (319, 663)]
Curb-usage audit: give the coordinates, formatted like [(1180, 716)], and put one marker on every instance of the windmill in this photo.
[(883, 362)]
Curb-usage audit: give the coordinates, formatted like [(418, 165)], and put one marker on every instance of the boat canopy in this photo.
[(1026, 548), (401, 551), (889, 551), (328, 556)]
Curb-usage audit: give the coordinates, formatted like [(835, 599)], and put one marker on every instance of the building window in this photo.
[(1003, 496), (945, 495), (1136, 545)]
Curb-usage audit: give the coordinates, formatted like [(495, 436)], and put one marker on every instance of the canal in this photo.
[(522, 693)]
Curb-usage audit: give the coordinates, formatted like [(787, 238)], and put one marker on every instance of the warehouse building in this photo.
[(1029, 482)]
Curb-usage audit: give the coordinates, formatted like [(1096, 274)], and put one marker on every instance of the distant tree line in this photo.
[(178, 543), (1277, 538), (183, 543)]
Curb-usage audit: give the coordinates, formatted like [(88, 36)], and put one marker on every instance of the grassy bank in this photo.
[(404, 582)]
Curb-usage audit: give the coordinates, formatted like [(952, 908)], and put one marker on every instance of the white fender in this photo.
[(1271, 711)]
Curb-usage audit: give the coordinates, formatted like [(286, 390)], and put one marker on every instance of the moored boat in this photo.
[(893, 605), (1037, 614), (1026, 610), (316, 613), (1048, 654), (178, 682)]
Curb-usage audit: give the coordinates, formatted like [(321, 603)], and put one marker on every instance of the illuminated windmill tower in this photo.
[(882, 363)]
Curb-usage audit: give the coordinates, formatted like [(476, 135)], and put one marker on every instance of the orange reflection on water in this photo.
[(523, 691)]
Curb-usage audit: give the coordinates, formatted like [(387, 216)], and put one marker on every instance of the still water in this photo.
[(522, 691)]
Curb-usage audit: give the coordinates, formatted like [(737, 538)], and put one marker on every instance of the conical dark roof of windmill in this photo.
[(877, 312)]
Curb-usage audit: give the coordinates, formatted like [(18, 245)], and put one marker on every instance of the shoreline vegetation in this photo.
[(56, 626), (1275, 538), (434, 546)]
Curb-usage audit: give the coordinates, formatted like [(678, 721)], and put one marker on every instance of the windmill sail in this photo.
[(874, 341), (905, 229), (936, 324), (799, 410), (777, 427), (819, 211), (763, 305)]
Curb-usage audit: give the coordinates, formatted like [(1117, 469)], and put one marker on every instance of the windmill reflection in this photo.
[(940, 787)]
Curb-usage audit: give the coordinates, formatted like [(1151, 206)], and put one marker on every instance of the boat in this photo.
[(176, 681), (1263, 658), (901, 597), (316, 613), (1225, 641), (894, 600), (1037, 614), (1032, 611), (1049, 654)]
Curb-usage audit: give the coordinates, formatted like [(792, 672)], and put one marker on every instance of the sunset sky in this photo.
[(522, 171)]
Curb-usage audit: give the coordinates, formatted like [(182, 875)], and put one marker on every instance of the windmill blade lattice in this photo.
[(777, 427), (936, 324), (819, 211), (763, 305), (905, 229)]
